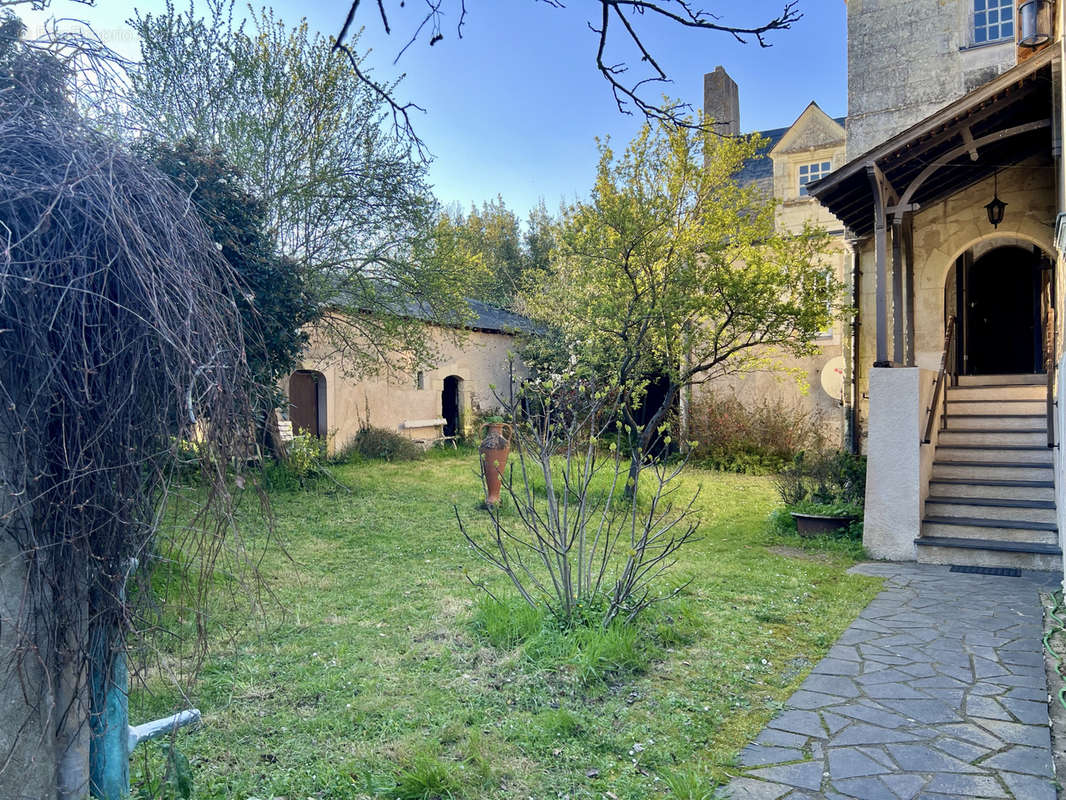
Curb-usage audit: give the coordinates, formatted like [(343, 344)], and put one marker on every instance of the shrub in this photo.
[(373, 442), (833, 478), (758, 438)]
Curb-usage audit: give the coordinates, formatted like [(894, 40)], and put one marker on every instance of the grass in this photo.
[(378, 670)]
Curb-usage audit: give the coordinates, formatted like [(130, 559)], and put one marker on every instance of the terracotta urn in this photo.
[(495, 447)]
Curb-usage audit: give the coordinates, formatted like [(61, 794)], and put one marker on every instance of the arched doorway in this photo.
[(451, 405), (1003, 295), (307, 402)]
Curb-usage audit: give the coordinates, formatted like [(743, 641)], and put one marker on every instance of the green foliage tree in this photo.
[(273, 302), (671, 268), (501, 258), (342, 196)]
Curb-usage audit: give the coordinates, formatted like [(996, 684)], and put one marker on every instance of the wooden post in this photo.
[(880, 259), (908, 260)]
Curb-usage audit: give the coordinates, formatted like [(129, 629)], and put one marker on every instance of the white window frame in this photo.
[(811, 172), (990, 17)]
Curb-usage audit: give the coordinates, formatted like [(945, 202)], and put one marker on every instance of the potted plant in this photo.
[(494, 449), (824, 492), (815, 519)]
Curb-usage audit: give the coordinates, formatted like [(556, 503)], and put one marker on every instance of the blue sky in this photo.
[(515, 106)]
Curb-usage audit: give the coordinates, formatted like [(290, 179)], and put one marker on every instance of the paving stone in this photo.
[(1016, 733), (831, 684), (850, 762), (988, 707), (1026, 787), (805, 722), (860, 733), (810, 700), (866, 788), (966, 785), (757, 755), (1029, 760), (920, 758), (1022, 693), (1027, 711), (836, 666), (874, 715), (894, 690), (804, 776), (834, 722), (927, 711), (904, 786), (965, 751), (747, 789), (937, 691), (780, 738)]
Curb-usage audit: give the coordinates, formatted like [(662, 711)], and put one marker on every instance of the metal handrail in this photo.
[(1049, 367), (947, 367)]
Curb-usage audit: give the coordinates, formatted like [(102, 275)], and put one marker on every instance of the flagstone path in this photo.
[(936, 691)]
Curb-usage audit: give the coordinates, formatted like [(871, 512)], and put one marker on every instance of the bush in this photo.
[(373, 442), (835, 478), (759, 439)]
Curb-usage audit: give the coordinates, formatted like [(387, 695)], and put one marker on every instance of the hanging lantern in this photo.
[(996, 208), (1035, 23)]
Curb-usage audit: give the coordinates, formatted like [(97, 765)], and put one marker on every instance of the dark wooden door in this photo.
[(303, 403), (1003, 313)]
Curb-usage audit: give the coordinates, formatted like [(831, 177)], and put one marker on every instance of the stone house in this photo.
[(791, 158), (472, 365), (953, 198)]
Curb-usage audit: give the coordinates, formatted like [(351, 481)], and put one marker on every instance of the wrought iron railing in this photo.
[(947, 370)]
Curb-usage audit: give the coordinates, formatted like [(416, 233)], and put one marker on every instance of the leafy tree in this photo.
[(671, 268), (273, 302), (500, 257), (342, 197)]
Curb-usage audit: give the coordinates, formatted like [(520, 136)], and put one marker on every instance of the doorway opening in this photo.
[(1003, 299), (307, 402), (451, 405)]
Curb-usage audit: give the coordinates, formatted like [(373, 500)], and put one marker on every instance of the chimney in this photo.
[(722, 101)]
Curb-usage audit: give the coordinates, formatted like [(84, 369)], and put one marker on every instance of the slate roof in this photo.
[(488, 318), (762, 166)]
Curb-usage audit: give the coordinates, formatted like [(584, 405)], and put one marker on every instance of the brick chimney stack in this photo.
[(721, 100)]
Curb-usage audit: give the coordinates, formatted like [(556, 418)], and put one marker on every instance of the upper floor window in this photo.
[(809, 173), (993, 20)]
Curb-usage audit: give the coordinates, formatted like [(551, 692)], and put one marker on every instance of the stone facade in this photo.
[(813, 138), (481, 360), (909, 58)]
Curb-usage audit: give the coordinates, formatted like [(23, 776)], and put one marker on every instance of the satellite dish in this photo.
[(833, 378)]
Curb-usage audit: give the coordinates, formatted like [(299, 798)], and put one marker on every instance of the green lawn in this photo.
[(375, 681)]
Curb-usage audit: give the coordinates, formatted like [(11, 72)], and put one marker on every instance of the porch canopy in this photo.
[(876, 194)]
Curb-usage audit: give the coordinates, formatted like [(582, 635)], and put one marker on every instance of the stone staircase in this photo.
[(991, 496)]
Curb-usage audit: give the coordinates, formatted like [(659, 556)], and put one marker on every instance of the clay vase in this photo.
[(495, 447)]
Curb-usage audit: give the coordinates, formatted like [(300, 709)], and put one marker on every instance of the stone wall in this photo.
[(479, 358), (909, 58)]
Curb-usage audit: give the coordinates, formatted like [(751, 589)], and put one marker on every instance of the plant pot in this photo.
[(818, 524), (495, 447)]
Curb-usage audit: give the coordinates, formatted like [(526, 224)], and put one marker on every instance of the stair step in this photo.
[(990, 471), (996, 406), (1027, 454), (957, 421), (964, 508), (1008, 490), (996, 530), (988, 553), (998, 393), (1000, 380), (1026, 437)]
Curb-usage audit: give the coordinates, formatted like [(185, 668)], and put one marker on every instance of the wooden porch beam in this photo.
[(877, 183), (944, 160), (897, 290), (908, 260)]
